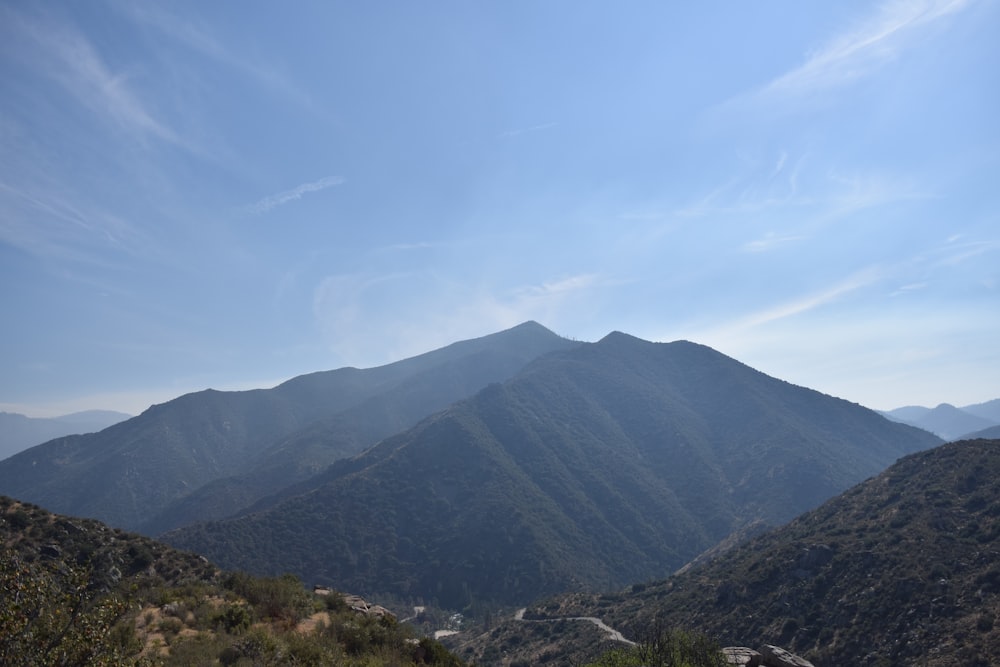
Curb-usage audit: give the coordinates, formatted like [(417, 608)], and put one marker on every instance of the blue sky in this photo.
[(230, 194)]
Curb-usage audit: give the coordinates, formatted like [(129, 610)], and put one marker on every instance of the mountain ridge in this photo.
[(131, 473), (661, 445)]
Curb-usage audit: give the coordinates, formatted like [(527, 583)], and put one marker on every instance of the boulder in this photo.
[(775, 656), (742, 656)]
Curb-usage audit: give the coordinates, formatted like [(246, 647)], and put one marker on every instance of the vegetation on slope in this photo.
[(902, 569), (75, 592)]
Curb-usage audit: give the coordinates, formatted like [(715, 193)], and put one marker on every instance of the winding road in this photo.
[(613, 634)]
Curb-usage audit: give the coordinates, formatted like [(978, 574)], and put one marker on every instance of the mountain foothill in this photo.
[(500, 470)]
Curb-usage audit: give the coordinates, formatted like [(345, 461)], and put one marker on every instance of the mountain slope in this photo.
[(595, 466), (399, 406), (128, 474), (18, 432), (901, 569), (76, 592)]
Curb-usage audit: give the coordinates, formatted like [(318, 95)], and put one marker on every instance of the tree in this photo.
[(666, 648), (53, 617)]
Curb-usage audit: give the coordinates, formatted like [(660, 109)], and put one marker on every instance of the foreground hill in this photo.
[(132, 473), (76, 592), (903, 569), (596, 466), (18, 432)]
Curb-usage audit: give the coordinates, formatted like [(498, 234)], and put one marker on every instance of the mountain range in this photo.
[(594, 466), (138, 473), (950, 422), (899, 570), (18, 432)]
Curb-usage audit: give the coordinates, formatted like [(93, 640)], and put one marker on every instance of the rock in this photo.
[(378, 610), (775, 656), (50, 551), (358, 604), (742, 656)]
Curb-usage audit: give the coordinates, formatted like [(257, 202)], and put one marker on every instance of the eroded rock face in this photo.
[(742, 656), (775, 656)]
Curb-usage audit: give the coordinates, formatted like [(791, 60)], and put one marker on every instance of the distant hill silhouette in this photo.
[(593, 467), (947, 421), (129, 475), (988, 410), (899, 570), (18, 432), (991, 433)]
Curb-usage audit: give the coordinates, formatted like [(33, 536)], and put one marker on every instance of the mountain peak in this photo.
[(619, 337)]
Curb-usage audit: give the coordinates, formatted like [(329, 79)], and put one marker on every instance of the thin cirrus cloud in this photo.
[(860, 51), (770, 241), (67, 57), (733, 329), (296, 193), (210, 46)]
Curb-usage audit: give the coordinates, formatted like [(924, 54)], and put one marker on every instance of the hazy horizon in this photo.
[(228, 195)]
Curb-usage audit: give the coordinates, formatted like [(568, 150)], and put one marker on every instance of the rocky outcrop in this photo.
[(775, 656), (742, 656), (357, 603), (768, 656)]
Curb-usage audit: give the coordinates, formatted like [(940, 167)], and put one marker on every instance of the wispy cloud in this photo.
[(52, 226), (907, 289), (557, 287), (957, 253), (526, 130), (797, 306), (206, 44), (770, 241), (272, 201), (65, 55), (859, 51)]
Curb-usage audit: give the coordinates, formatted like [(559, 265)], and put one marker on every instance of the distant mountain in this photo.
[(900, 570), (18, 432), (946, 420), (593, 467), (988, 410), (991, 433), (130, 473)]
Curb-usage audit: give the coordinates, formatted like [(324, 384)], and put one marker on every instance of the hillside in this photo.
[(902, 569), (18, 432), (76, 592), (129, 475), (594, 467)]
